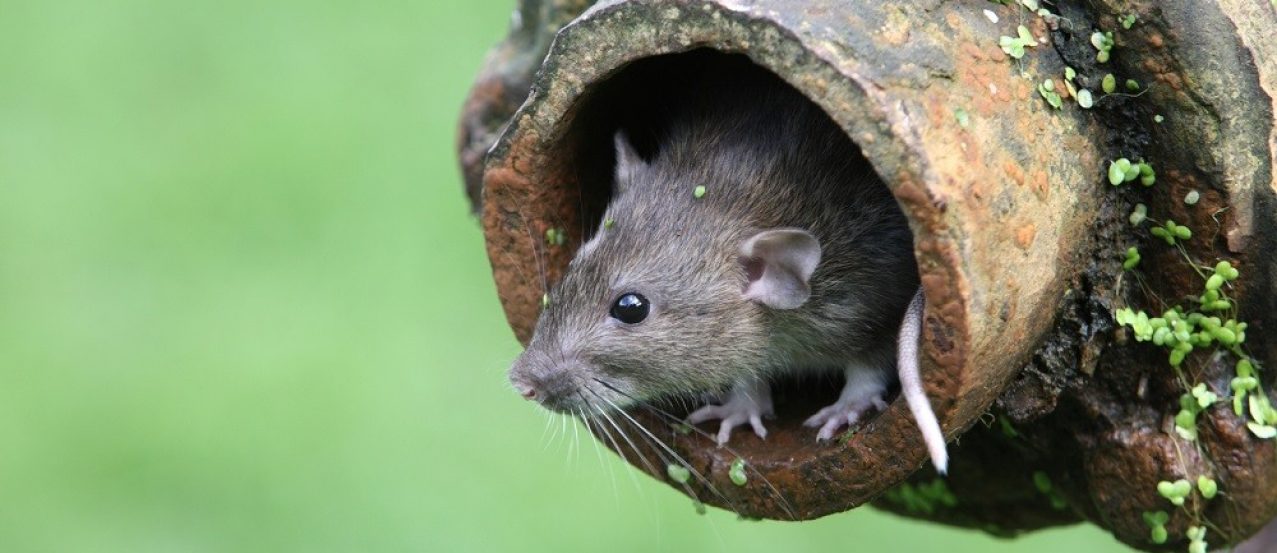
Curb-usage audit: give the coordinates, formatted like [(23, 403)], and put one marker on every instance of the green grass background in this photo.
[(243, 306)]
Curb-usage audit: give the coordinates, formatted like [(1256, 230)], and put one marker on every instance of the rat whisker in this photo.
[(576, 434), (598, 451), (536, 252), (643, 458), (616, 447), (671, 419), (681, 461)]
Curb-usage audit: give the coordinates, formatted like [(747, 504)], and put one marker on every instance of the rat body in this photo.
[(755, 242)]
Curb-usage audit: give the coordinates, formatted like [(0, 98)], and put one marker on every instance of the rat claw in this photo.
[(757, 423), (747, 403)]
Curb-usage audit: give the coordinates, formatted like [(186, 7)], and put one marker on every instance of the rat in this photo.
[(753, 243)]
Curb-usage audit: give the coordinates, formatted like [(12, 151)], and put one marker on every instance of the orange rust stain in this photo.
[(1025, 234), (1013, 171), (1041, 185), (971, 50)]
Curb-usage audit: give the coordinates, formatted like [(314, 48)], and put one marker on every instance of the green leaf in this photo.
[(737, 472), (1262, 431), (1117, 175), (1207, 486), (1158, 535), (678, 473), (1085, 99), (1109, 84)]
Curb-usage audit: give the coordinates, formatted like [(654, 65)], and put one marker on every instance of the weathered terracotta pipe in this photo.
[(1016, 234)]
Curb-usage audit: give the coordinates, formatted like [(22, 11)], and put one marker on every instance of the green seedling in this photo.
[(1103, 43), (1132, 258), (1084, 98), (678, 473), (1176, 491), (1047, 90), (1207, 487), (1171, 232), (1156, 521), (737, 472), (1014, 46), (1138, 215)]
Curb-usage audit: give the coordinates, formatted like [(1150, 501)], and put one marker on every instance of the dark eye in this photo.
[(631, 308)]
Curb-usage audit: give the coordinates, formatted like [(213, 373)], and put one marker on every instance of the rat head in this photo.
[(673, 295)]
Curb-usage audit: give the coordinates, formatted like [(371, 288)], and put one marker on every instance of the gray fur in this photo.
[(768, 159)]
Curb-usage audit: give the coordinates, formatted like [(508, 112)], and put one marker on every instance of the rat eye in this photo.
[(630, 308)]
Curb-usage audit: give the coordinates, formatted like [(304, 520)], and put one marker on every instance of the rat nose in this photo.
[(535, 378), (524, 389)]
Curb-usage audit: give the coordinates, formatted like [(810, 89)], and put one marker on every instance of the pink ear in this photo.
[(779, 264)]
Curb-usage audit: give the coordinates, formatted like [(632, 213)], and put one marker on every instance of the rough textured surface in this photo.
[(1018, 239)]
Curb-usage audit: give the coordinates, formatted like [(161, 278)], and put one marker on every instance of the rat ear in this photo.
[(627, 159), (779, 264)]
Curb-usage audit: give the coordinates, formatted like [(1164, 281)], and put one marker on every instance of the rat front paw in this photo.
[(746, 403), (858, 396)]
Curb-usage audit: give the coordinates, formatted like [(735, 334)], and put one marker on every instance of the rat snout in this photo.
[(550, 383)]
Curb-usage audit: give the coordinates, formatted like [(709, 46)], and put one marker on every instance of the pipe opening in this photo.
[(641, 100)]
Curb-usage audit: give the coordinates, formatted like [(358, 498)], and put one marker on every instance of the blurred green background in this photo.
[(243, 306)]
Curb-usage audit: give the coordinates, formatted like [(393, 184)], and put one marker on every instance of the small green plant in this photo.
[(1108, 84), (1047, 90), (1014, 46), (1043, 484), (1171, 232), (1138, 215), (1175, 492), (1132, 258), (555, 237), (1084, 98), (1197, 539), (1156, 521), (1207, 487), (737, 472), (1123, 170), (678, 473), (922, 498), (699, 191), (1103, 43), (609, 223), (1127, 20)]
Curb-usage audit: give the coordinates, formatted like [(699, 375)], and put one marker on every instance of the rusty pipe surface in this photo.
[(1015, 233)]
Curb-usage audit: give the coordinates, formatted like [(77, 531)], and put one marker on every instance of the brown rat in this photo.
[(755, 242)]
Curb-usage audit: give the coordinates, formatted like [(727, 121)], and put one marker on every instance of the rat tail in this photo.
[(911, 383)]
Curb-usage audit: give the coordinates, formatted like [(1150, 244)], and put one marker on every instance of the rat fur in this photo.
[(795, 259)]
